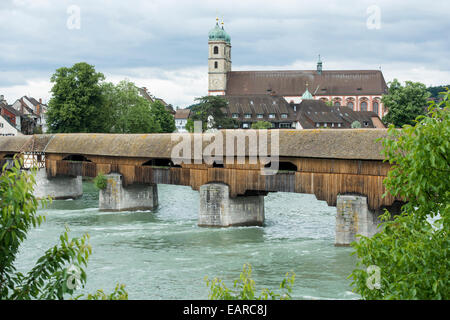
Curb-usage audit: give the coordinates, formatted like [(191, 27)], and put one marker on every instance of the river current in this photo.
[(164, 254)]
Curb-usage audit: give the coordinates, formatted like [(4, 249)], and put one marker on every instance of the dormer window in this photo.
[(284, 115), (248, 115), (235, 115), (260, 116), (271, 115)]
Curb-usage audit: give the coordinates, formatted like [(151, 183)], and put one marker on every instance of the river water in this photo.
[(164, 255)]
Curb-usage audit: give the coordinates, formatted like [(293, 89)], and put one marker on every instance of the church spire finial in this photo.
[(319, 66)]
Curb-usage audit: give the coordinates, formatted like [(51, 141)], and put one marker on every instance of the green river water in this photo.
[(165, 255)]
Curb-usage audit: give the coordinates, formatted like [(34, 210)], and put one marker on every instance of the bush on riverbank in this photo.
[(244, 288), (410, 257), (61, 270)]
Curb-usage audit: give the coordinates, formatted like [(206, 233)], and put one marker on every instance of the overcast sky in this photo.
[(162, 45)]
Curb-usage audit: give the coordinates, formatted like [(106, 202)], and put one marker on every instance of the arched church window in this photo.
[(350, 104), (216, 50), (337, 103), (216, 64), (375, 107), (364, 106)]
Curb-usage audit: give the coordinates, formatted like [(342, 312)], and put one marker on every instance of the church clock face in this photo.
[(216, 82)]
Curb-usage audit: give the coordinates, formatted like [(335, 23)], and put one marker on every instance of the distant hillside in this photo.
[(436, 90)]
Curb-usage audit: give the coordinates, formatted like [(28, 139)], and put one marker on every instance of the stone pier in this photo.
[(354, 217), (116, 197), (217, 209), (58, 187)]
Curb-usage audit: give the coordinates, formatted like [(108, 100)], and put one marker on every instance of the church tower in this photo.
[(219, 60)]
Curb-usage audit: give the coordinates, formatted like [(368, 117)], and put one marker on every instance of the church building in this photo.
[(360, 90)]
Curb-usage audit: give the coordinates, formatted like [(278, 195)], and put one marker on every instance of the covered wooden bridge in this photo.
[(323, 162)]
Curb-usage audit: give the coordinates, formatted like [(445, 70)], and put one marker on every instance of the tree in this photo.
[(163, 117), (405, 103), (131, 112), (261, 125), (436, 92), (213, 107), (412, 251), (58, 272), (244, 288), (76, 104)]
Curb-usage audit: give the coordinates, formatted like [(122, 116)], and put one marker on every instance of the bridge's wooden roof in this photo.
[(314, 143)]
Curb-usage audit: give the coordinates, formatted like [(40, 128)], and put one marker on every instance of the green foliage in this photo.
[(76, 104), (356, 124), (404, 103), (261, 125), (61, 270), (131, 112), (189, 125), (412, 250), (245, 288), (119, 293), (163, 117), (100, 181), (211, 106), (436, 92)]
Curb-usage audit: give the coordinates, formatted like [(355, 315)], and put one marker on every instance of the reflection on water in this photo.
[(164, 255)]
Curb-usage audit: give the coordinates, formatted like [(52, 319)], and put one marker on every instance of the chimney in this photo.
[(40, 100)]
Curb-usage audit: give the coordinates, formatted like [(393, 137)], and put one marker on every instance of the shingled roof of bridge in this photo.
[(314, 143)]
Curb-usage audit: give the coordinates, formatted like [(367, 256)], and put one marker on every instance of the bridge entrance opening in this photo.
[(77, 157), (283, 166), (217, 165), (162, 162)]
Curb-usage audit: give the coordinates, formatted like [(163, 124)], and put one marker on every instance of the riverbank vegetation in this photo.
[(410, 257), (61, 270), (244, 288)]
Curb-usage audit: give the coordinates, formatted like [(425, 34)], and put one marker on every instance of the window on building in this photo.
[(284, 115), (339, 125), (260, 115), (216, 50), (375, 107), (245, 125), (332, 125), (248, 115), (317, 124), (364, 106), (337, 103), (285, 125), (350, 104), (271, 115), (325, 125), (216, 64), (235, 115)]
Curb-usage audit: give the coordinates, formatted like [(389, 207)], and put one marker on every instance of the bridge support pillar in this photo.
[(116, 197), (354, 217), (217, 209), (57, 187)]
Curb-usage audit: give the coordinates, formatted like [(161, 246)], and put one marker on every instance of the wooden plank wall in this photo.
[(325, 178)]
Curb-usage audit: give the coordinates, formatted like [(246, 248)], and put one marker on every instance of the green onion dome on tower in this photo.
[(218, 33)]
